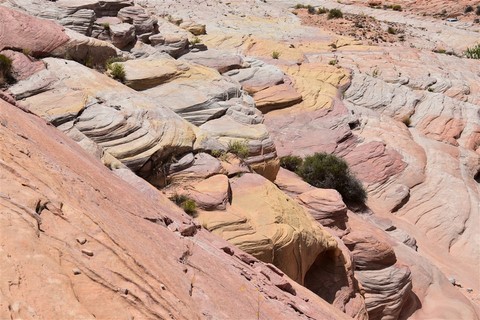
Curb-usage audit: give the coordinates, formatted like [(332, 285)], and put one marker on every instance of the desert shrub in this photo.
[(299, 6), (106, 26), (190, 207), (327, 171), (322, 10), (5, 68), (335, 14), (333, 62), (310, 9), (468, 9), (240, 148), (184, 202), (196, 40), (477, 11), (473, 52), (391, 30), (291, 163), (275, 54), (117, 71), (397, 7), (112, 60)]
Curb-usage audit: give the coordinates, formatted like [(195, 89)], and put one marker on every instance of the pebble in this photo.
[(81, 240), (76, 271)]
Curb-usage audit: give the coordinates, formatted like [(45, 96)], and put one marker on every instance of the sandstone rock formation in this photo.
[(405, 118)]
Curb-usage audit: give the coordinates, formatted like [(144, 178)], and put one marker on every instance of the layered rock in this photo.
[(94, 110), (39, 37), (272, 228), (70, 247), (222, 61)]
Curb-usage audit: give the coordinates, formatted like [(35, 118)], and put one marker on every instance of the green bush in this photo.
[(195, 40), (473, 52), (275, 54), (291, 163), (391, 30), (117, 71), (335, 14), (240, 148), (333, 62), (190, 207), (322, 10), (299, 6), (397, 7), (184, 202), (327, 171), (5, 68)]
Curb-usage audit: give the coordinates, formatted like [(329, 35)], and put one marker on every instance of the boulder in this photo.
[(261, 150), (128, 14), (22, 66), (326, 206), (276, 97), (81, 21), (172, 43), (212, 193), (257, 78), (122, 35), (194, 28), (191, 169), (222, 61), (40, 37), (141, 74), (208, 92), (171, 39)]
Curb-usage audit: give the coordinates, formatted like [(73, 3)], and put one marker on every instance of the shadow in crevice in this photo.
[(327, 275)]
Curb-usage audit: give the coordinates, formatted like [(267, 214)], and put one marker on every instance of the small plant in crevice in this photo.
[(117, 71), (188, 205), (333, 62), (275, 55), (112, 60), (473, 52), (5, 69), (392, 30), (106, 26), (335, 14), (239, 148), (322, 10), (397, 7), (27, 51), (195, 40)]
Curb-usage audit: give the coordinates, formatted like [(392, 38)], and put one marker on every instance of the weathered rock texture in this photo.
[(69, 227)]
